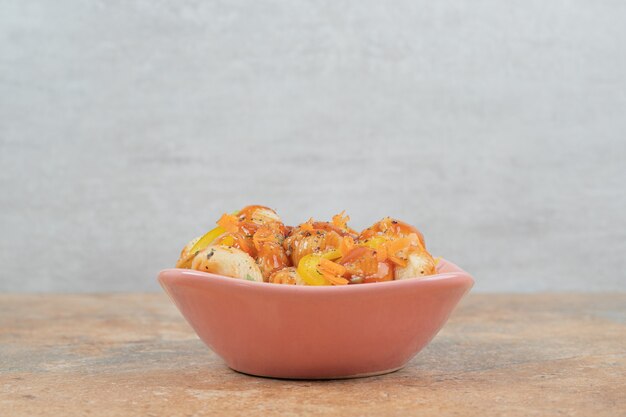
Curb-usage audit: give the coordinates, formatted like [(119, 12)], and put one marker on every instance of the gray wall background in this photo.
[(127, 128)]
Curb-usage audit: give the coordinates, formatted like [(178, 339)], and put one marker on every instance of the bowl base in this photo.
[(322, 378)]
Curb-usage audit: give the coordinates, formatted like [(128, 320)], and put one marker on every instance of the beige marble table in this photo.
[(133, 354)]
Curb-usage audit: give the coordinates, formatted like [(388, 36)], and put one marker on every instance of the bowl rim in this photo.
[(455, 277)]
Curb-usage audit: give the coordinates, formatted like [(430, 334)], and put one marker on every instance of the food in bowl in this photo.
[(254, 244)]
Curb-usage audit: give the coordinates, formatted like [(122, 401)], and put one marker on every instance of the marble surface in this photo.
[(127, 128), (132, 354)]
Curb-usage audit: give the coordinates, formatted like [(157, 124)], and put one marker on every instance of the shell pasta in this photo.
[(254, 244)]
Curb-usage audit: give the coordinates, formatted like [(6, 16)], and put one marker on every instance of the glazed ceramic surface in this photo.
[(289, 331)]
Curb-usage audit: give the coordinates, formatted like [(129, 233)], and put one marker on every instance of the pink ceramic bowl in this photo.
[(287, 331)]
